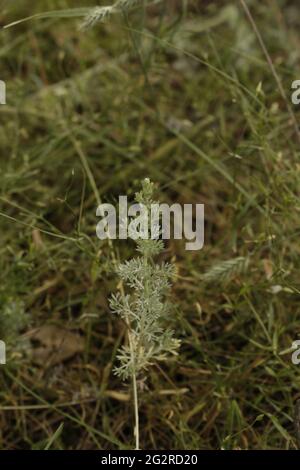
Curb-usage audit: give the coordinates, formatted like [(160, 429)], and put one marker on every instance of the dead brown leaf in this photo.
[(55, 345)]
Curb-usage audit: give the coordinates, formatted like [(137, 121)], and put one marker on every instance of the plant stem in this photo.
[(134, 385), (136, 412)]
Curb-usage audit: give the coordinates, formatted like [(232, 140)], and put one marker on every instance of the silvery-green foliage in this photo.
[(98, 14), (145, 308)]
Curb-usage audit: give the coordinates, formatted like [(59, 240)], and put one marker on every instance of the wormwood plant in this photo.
[(145, 307)]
